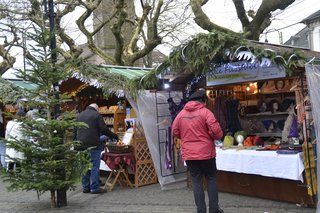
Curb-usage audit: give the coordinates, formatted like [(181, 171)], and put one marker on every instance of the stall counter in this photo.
[(263, 174), (265, 163)]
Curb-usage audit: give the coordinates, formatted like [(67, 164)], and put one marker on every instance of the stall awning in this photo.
[(23, 84), (128, 72)]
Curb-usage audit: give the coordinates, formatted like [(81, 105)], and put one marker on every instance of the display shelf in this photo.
[(113, 118), (107, 113), (118, 124), (272, 93)]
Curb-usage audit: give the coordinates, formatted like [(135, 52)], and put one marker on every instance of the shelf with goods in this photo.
[(254, 119), (266, 115), (113, 117), (277, 95), (264, 124)]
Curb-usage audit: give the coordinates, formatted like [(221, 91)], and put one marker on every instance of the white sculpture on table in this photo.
[(240, 140), (240, 136)]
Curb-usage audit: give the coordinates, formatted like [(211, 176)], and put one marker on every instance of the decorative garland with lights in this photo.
[(198, 57), (112, 83), (205, 52)]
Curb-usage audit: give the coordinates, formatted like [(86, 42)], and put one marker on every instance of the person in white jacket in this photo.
[(13, 132)]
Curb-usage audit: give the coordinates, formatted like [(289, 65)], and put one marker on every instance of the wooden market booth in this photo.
[(11, 92), (265, 174), (116, 111)]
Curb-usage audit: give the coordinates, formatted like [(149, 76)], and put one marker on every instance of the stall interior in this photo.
[(266, 112)]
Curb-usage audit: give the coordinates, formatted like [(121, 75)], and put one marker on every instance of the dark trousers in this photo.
[(90, 180), (198, 170)]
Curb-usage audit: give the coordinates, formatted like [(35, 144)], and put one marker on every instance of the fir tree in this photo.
[(50, 161)]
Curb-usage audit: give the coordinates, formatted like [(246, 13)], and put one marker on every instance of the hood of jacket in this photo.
[(193, 106)]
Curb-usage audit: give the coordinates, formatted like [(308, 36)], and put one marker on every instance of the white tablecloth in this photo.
[(265, 163)]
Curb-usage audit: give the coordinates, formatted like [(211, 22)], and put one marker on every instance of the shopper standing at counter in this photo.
[(90, 138), (197, 128)]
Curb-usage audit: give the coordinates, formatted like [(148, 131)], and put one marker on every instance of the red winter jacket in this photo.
[(197, 128)]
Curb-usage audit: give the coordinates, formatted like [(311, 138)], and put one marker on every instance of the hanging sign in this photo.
[(243, 71)]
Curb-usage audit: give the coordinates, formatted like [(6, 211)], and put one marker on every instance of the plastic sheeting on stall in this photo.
[(147, 112), (313, 80)]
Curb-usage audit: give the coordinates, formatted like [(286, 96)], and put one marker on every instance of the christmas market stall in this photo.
[(106, 86), (11, 93), (260, 95)]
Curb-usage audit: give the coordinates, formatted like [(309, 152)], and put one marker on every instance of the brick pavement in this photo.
[(147, 199)]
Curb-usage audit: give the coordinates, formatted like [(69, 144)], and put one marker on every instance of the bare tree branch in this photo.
[(251, 29), (263, 16), (133, 43), (75, 51), (116, 30), (153, 38), (202, 19), (8, 60), (241, 12), (81, 24)]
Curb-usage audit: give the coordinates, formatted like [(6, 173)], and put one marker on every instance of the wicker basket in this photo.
[(119, 149)]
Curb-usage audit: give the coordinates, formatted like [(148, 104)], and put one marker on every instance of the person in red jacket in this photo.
[(197, 128)]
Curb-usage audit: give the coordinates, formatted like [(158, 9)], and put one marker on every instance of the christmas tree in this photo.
[(50, 159)]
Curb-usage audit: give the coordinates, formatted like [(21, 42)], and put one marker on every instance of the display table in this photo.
[(118, 163), (264, 174), (265, 163)]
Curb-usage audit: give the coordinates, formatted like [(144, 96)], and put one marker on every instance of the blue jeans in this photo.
[(2, 154), (198, 170), (91, 179)]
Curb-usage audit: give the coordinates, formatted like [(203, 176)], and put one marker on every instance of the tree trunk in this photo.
[(53, 199)]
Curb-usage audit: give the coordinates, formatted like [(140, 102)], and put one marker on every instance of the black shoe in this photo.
[(219, 211), (86, 191), (99, 191)]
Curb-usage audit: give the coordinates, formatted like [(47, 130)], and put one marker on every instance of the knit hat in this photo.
[(198, 95)]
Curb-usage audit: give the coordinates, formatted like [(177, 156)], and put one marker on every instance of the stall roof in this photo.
[(106, 77), (23, 84), (128, 72), (106, 70), (12, 90)]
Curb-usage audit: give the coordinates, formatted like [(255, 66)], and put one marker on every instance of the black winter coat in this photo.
[(90, 137)]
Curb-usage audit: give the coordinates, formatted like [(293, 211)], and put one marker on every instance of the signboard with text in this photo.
[(243, 71)]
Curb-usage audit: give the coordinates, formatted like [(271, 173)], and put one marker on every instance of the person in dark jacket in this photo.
[(90, 138)]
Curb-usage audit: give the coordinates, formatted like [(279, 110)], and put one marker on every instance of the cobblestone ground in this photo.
[(146, 199)]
